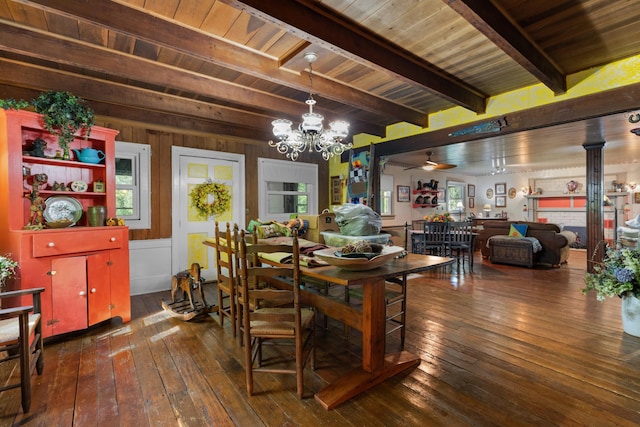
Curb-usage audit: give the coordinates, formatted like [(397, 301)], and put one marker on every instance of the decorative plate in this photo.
[(345, 262), (79, 186), (512, 193), (489, 193), (61, 208)]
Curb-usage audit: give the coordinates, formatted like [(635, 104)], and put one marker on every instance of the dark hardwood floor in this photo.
[(505, 346)]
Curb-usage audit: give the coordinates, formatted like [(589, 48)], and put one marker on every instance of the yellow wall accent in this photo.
[(223, 173), (195, 170), (594, 80)]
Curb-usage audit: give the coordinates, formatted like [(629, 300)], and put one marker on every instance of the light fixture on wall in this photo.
[(310, 134)]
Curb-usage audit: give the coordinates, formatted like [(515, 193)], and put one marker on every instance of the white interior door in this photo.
[(191, 167)]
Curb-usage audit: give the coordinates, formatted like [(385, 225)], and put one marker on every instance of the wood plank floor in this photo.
[(505, 346)]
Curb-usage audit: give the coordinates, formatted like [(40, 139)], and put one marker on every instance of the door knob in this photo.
[(93, 290), (82, 293)]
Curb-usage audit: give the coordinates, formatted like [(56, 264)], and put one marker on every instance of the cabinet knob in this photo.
[(51, 244), (51, 273), (113, 239), (93, 290), (82, 293)]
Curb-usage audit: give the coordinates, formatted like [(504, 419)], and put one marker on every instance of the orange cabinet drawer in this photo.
[(54, 244)]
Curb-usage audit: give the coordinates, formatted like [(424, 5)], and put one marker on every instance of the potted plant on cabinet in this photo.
[(619, 275), (64, 114)]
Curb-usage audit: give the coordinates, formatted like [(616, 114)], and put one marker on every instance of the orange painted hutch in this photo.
[(84, 270)]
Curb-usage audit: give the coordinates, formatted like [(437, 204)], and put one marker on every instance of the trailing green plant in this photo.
[(64, 114), (12, 104)]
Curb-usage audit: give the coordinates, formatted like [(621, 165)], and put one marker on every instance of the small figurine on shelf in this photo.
[(419, 185), (36, 220), (37, 148)]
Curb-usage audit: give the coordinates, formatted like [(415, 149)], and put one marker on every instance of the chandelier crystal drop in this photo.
[(310, 134)]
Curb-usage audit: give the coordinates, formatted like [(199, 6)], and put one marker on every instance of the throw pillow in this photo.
[(518, 230)]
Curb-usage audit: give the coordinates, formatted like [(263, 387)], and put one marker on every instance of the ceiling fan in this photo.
[(430, 165)]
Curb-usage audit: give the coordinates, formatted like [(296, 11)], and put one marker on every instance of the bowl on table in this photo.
[(358, 262)]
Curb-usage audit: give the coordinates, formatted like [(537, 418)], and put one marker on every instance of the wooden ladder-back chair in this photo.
[(273, 322), (21, 338), (227, 276), (395, 297), (461, 242)]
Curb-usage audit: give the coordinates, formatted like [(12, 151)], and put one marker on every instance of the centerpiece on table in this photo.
[(439, 217), (619, 275)]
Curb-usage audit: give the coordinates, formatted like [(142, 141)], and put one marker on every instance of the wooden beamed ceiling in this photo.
[(231, 67)]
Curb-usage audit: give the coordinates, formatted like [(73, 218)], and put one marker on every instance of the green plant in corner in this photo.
[(64, 114), (618, 274), (7, 268)]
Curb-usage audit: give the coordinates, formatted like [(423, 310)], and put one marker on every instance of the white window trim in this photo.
[(142, 153)]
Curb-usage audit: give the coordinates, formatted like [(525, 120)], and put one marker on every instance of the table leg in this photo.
[(375, 366)]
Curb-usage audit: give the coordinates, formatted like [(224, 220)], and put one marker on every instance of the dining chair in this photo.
[(273, 322), (21, 338), (227, 276), (461, 243), (436, 238)]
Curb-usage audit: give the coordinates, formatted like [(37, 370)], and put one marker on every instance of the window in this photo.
[(386, 194), (286, 188), (133, 198), (287, 197), (455, 198)]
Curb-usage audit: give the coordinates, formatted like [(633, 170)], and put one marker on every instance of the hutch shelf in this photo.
[(84, 270)]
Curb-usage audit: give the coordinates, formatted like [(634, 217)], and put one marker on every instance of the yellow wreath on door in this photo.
[(200, 198)]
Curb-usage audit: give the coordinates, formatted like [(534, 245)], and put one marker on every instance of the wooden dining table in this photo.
[(370, 320)]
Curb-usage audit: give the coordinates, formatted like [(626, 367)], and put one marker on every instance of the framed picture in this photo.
[(472, 204), (471, 190), (404, 193), (336, 190), (501, 188), (512, 193), (489, 193), (636, 197), (501, 202)]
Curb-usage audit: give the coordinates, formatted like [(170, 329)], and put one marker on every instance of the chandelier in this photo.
[(310, 134)]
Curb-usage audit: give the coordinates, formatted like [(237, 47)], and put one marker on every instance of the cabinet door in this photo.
[(36, 273), (120, 293), (99, 287), (69, 294)]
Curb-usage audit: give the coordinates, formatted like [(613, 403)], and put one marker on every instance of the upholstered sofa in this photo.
[(555, 243)]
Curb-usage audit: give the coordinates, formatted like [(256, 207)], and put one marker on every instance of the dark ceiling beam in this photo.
[(157, 30), (156, 119), (22, 41), (618, 100), (498, 28), (323, 26), (94, 90)]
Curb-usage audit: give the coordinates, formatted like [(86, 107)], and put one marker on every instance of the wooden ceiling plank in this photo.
[(191, 42), (324, 26), (498, 28), (22, 41)]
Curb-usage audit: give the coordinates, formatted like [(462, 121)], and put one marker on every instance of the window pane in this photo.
[(286, 203), (284, 186), (124, 171), (124, 202)]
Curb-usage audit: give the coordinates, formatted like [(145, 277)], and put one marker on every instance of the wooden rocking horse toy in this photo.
[(187, 281)]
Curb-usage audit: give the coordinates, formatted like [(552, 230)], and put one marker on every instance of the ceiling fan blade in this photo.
[(443, 166)]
